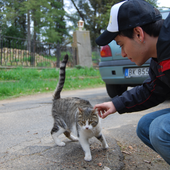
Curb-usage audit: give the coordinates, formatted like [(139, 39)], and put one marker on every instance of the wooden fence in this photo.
[(20, 52)]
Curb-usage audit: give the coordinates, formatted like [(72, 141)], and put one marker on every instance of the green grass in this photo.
[(20, 81)]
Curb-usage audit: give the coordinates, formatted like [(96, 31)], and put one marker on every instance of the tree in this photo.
[(47, 18), (13, 20), (54, 24), (1, 15)]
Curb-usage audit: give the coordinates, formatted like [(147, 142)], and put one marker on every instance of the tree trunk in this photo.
[(28, 33)]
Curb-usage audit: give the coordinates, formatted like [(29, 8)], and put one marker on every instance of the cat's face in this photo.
[(87, 118)]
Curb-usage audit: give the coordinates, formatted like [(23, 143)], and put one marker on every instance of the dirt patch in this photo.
[(141, 157), (137, 156)]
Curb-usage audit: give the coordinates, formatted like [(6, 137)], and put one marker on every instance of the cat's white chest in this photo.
[(88, 133)]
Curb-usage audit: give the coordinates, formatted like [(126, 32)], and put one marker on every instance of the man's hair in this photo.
[(152, 29)]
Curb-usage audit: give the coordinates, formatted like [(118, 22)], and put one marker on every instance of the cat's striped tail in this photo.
[(61, 78)]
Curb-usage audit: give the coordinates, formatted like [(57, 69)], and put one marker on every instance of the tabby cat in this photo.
[(74, 115)]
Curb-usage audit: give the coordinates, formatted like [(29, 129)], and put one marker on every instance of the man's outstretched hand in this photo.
[(104, 109)]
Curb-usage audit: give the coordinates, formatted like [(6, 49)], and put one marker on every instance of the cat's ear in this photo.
[(80, 110)]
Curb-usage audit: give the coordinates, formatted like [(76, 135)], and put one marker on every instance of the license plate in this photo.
[(136, 72)]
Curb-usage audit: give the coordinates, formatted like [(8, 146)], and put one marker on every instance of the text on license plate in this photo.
[(136, 72)]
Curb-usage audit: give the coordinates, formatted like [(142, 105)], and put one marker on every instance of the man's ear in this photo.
[(139, 34)]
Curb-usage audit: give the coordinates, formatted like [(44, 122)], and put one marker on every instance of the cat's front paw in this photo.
[(61, 144), (73, 138), (88, 158), (105, 146)]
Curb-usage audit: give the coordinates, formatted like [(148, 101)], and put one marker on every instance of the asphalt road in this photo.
[(26, 143)]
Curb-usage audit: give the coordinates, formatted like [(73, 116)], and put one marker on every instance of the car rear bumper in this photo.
[(113, 72)]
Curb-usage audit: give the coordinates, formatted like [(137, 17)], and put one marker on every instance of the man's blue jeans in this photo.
[(154, 130)]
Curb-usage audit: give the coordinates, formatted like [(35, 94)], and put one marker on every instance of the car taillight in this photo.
[(106, 51)]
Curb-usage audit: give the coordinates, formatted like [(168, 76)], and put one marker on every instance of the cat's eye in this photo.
[(82, 123), (90, 122), (94, 123)]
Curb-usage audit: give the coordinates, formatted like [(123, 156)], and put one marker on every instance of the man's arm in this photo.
[(149, 94)]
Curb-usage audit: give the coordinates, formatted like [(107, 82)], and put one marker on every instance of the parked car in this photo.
[(118, 72)]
